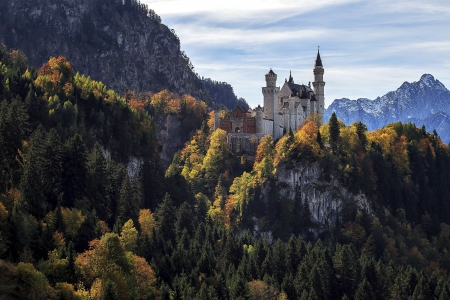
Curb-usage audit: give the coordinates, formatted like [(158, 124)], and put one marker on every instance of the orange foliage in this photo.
[(261, 290), (423, 146), (55, 74), (305, 140), (211, 121), (174, 106), (55, 68), (58, 239), (136, 104), (145, 277), (146, 222), (104, 227), (265, 149), (228, 211), (3, 216)]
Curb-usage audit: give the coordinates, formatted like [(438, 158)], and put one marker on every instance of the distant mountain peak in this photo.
[(429, 81), (427, 78), (426, 101)]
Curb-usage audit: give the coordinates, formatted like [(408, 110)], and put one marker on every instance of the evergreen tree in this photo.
[(165, 219), (31, 181), (346, 269), (333, 125), (361, 130), (364, 291), (97, 189), (71, 263), (109, 291), (74, 177), (239, 288)]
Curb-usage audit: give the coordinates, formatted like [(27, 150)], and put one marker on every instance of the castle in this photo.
[(284, 109)]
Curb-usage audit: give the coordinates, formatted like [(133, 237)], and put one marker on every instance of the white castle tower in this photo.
[(270, 92), (319, 85)]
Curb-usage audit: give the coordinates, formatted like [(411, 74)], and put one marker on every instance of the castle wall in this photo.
[(216, 120), (244, 142), (285, 91), (278, 126), (259, 123), (267, 126)]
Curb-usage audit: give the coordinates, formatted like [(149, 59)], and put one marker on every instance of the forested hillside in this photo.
[(222, 94), (78, 222)]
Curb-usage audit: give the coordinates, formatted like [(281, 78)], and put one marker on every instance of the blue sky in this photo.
[(368, 48)]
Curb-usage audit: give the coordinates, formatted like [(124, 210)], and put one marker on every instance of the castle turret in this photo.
[(319, 85), (258, 117), (216, 118), (270, 92)]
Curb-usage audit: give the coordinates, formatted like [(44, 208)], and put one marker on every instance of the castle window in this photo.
[(236, 129)]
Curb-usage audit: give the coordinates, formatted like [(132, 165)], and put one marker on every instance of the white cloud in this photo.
[(368, 47), (242, 38), (238, 11)]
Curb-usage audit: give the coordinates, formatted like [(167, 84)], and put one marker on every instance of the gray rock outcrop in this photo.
[(325, 199)]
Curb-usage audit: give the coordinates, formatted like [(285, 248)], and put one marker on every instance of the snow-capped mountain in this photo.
[(425, 102)]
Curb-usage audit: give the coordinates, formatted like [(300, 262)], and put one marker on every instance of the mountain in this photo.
[(425, 102), (223, 93), (121, 43)]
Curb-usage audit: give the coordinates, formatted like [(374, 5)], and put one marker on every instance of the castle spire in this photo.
[(291, 80), (318, 60)]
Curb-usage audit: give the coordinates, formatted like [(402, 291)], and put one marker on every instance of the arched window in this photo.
[(237, 129)]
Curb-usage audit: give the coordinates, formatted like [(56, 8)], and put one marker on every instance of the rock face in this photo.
[(119, 43), (325, 199), (169, 134), (425, 102)]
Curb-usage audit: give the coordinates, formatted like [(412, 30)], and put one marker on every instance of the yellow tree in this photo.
[(128, 236), (242, 189), (305, 143), (146, 222), (217, 157), (264, 160)]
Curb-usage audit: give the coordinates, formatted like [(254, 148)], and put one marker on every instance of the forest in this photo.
[(223, 94), (78, 222)]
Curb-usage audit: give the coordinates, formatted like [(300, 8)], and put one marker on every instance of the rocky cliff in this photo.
[(326, 199), (170, 136), (121, 43)]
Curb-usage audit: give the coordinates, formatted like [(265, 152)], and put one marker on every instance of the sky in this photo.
[(368, 47)]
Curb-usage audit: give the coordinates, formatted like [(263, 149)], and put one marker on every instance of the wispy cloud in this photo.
[(368, 47), (238, 11)]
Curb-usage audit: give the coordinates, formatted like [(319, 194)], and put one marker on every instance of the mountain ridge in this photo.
[(424, 102), (123, 44)]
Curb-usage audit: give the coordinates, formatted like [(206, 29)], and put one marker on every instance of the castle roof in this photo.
[(241, 108), (318, 60), (300, 90), (271, 72)]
